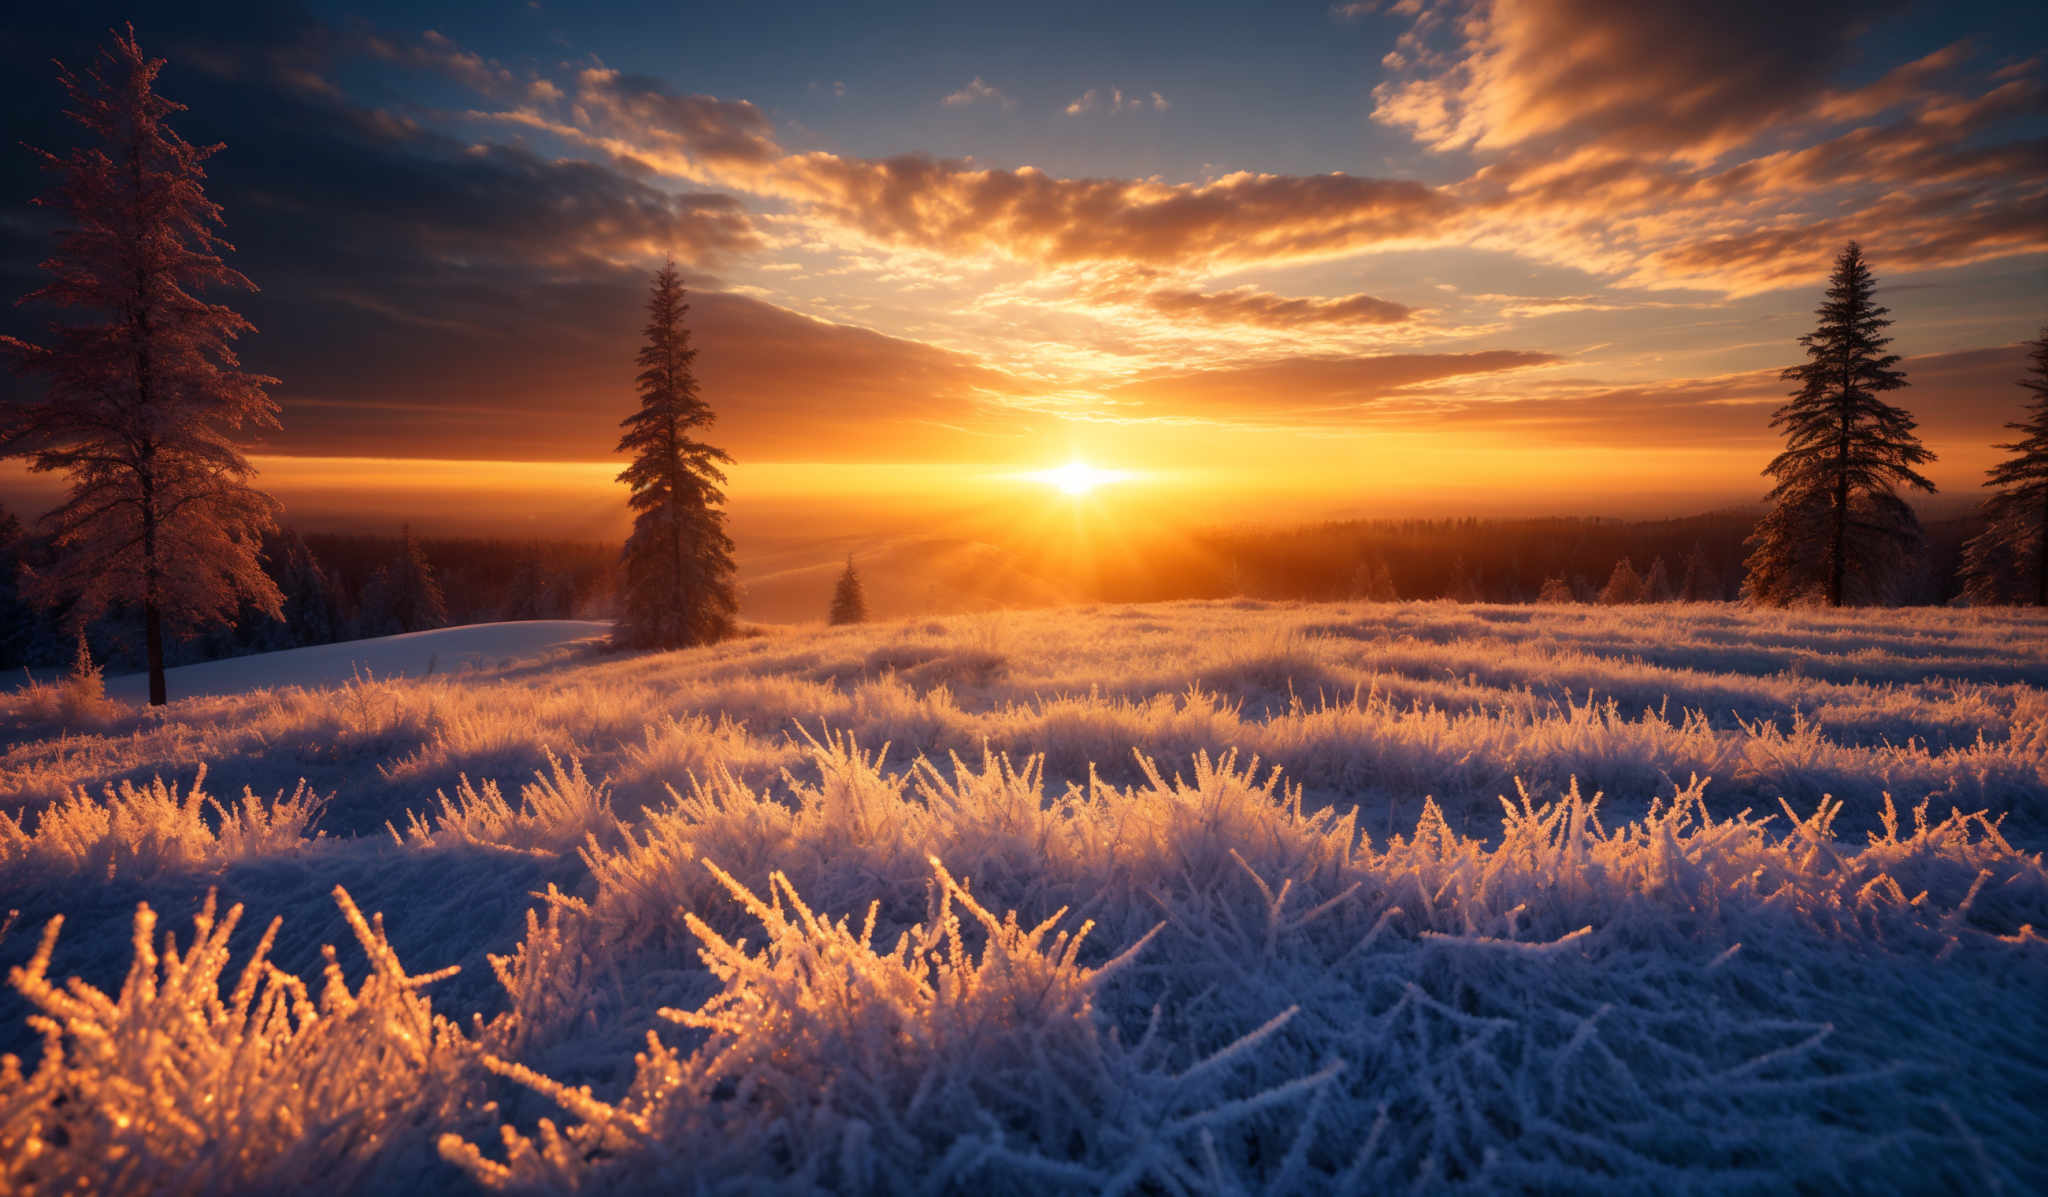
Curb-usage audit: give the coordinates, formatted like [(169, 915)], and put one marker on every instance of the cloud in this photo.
[(1028, 215), (1114, 100), (1588, 167), (784, 386), (1944, 228), (1667, 77), (1246, 305), (1934, 187), (704, 128), (976, 92), (426, 296), (1302, 390), (1961, 400)]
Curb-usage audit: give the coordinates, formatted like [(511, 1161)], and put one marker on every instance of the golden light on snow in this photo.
[(1078, 478)]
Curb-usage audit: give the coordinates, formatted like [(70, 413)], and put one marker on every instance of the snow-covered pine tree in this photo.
[(19, 619), (678, 561), (1556, 590), (143, 388), (2008, 561), (1465, 586), (1699, 585), (535, 591), (403, 596), (1624, 585), (1657, 582), (311, 612), (1837, 529), (1372, 582), (849, 602)]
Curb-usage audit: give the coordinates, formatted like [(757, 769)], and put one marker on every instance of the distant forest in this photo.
[(340, 587), (1509, 561), (335, 587)]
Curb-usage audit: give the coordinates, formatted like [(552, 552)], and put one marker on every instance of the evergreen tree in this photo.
[(678, 561), (1657, 583), (849, 603), (312, 611), (1371, 581), (307, 613), (2008, 562), (1465, 586), (1556, 590), (1624, 585), (1837, 529), (535, 592), (22, 629), (1699, 585), (143, 387), (403, 596)]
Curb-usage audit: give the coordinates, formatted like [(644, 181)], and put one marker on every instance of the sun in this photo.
[(1077, 478)]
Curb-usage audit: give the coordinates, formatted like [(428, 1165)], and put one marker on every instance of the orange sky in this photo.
[(1518, 256)]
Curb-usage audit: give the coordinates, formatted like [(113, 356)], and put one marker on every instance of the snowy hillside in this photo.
[(1307, 898), (466, 649)]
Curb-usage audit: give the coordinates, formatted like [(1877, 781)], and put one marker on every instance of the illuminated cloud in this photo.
[(1114, 100), (1658, 76), (1028, 215), (1246, 305), (976, 92), (1630, 173), (704, 128)]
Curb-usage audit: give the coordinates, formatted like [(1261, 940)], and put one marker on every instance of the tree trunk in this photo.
[(152, 599), (2041, 556), (1838, 551), (153, 641)]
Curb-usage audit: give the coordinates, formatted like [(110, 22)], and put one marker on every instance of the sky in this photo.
[(1268, 261)]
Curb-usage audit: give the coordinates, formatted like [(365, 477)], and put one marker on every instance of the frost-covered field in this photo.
[(1306, 897)]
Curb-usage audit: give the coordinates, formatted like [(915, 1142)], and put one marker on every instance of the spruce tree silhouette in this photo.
[(1624, 585), (2008, 562), (849, 603), (679, 569), (403, 595), (1837, 529), (143, 387)]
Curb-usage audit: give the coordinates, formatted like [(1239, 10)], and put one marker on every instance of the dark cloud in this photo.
[(426, 297), (553, 380)]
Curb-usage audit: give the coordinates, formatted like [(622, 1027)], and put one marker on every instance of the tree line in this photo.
[(143, 399), (332, 587)]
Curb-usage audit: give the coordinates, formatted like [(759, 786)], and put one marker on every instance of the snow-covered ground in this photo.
[(1541, 898), (469, 648)]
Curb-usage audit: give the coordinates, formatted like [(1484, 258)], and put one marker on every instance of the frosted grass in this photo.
[(1195, 898)]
